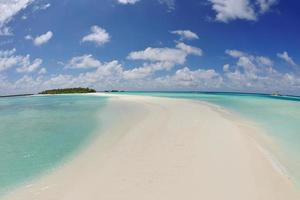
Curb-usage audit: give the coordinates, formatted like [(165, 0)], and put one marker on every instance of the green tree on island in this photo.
[(68, 91)]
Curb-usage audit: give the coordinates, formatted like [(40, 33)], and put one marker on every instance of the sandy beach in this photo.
[(161, 149)]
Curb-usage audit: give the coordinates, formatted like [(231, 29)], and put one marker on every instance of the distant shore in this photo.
[(16, 95), (160, 148)]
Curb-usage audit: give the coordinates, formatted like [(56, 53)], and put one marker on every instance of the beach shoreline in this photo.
[(165, 148)]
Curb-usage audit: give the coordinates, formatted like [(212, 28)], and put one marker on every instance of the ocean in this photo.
[(37, 133)]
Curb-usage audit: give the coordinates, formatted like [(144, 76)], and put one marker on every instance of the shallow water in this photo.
[(39, 132), (278, 116)]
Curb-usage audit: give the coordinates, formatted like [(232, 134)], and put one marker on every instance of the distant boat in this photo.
[(276, 94), (114, 91)]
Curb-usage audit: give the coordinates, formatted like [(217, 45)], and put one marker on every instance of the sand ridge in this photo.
[(165, 149)]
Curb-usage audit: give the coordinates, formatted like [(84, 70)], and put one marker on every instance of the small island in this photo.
[(69, 91)]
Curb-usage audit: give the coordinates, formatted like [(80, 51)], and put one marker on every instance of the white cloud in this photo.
[(9, 59), (235, 53), (186, 34), (112, 75), (28, 37), (285, 56), (110, 71), (257, 73), (42, 71), (189, 49), (233, 9), (42, 39), (128, 1), (8, 9), (261, 60), (6, 41), (116, 74), (172, 55), (253, 73), (228, 10), (265, 5), (43, 6), (226, 67), (5, 53), (249, 73), (146, 70), (160, 59), (251, 66), (30, 67), (169, 3), (83, 62), (159, 54), (5, 31), (185, 78), (264, 61), (98, 35), (88, 61)]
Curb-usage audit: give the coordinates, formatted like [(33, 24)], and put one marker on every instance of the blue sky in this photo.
[(206, 45)]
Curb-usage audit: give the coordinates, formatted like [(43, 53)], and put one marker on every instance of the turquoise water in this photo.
[(278, 116), (39, 132)]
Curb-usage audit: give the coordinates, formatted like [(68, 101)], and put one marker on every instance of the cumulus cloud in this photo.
[(41, 6), (41, 39), (228, 10), (169, 3), (159, 54), (188, 79), (8, 9), (261, 60), (98, 35), (28, 37), (116, 74), (146, 70), (83, 62), (253, 73), (9, 59), (189, 50), (172, 55), (285, 56), (128, 1), (113, 75), (42, 71), (186, 34), (110, 71), (235, 53), (88, 61), (30, 67), (226, 67), (160, 59), (233, 9), (257, 73), (265, 5), (264, 61)]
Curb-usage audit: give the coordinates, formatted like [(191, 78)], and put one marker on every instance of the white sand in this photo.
[(166, 149)]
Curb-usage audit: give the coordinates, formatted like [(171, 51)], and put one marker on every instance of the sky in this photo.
[(150, 45)]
